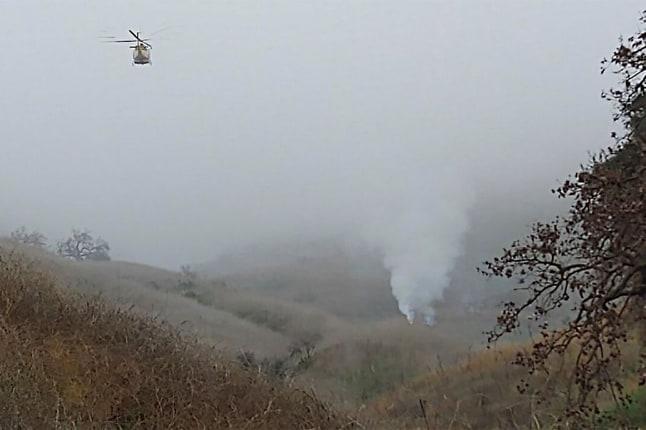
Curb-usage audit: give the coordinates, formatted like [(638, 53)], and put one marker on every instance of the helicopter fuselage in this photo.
[(141, 54)]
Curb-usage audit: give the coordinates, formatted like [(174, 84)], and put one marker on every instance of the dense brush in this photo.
[(69, 362)]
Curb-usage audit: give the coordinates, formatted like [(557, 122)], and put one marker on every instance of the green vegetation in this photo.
[(633, 414), (636, 411)]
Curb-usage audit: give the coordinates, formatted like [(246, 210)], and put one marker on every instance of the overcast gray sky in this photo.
[(271, 120)]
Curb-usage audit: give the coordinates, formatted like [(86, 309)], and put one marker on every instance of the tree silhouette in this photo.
[(593, 259), (81, 246), (33, 238)]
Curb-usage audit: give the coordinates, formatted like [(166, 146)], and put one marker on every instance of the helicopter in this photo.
[(141, 48)]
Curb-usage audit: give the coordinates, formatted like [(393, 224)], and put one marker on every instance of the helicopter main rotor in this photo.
[(136, 39)]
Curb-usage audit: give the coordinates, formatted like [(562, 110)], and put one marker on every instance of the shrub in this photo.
[(33, 238)]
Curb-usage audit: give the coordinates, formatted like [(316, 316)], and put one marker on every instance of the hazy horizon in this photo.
[(380, 122)]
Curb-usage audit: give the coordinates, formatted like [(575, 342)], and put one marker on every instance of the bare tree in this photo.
[(187, 278), (81, 246), (593, 259), (33, 238)]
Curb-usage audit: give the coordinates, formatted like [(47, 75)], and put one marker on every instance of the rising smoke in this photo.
[(420, 234), (419, 260)]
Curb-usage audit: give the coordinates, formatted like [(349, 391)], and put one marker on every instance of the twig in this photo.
[(421, 405)]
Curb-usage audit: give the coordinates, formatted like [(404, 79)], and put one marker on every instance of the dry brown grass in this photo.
[(152, 291), (67, 362), (481, 392)]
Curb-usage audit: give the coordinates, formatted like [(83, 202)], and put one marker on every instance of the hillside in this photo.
[(482, 391), (325, 297), (318, 315), (236, 318), (348, 282), (376, 364), (152, 291), (70, 362), (332, 303)]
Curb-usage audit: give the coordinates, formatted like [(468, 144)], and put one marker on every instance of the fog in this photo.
[(379, 123)]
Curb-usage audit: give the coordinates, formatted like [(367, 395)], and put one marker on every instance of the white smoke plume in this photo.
[(419, 263), (420, 236)]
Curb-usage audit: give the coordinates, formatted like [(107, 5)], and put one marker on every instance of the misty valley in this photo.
[(323, 215)]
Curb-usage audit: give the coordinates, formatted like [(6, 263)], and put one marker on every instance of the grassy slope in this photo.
[(481, 392), (478, 393), (68, 362), (151, 291), (382, 362), (239, 318)]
